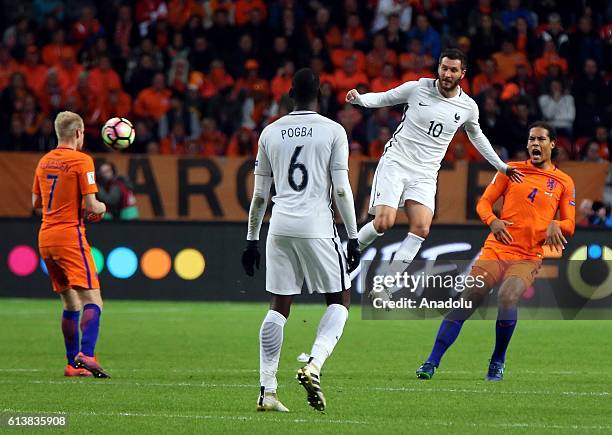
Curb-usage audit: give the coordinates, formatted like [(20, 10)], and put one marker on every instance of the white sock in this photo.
[(270, 343), (329, 332), (405, 254), (367, 234)]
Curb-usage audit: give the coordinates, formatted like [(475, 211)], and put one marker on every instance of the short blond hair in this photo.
[(66, 125)]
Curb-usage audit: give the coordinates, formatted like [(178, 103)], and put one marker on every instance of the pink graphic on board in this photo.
[(22, 260)]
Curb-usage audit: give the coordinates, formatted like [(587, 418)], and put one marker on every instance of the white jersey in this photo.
[(428, 124), (299, 151)]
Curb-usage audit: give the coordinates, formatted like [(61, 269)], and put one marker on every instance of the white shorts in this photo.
[(395, 183), (291, 260)]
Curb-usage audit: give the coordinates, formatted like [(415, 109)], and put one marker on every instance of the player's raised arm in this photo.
[(480, 141), (398, 95), (558, 230), (343, 195), (484, 208), (261, 192)]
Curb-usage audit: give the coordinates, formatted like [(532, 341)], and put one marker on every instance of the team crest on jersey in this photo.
[(457, 117), (551, 184)]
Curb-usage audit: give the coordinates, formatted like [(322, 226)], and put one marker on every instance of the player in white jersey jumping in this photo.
[(407, 172), (306, 156)]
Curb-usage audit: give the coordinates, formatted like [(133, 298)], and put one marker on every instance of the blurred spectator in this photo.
[(328, 103), (488, 38), (394, 34), (8, 66), (558, 108), (348, 78), (116, 103), (179, 12), (103, 78), (257, 28), (383, 117), (87, 27), (592, 94), (488, 78), (549, 57), (347, 49), (242, 143), (415, 63), (9, 98), (584, 44), (244, 10), (475, 16), (51, 96), (221, 35), (245, 52), (513, 13), (508, 60), (385, 9), (281, 83), (69, 71), (140, 76), (601, 137), (32, 69), (175, 142), (147, 12), (179, 114), (324, 29), (349, 117), (491, 121), (54, 52), (45, 140), (554, 32), (525, 82), (125, 34), (355, 29), (178, 75), (201, 56), (387, 80), (176, 49), (212, 140), (117, 193), (145, 135), (31, 117), (430, 39), (524, 38), (595, 214), (377, 146), (379, 56), (153, 102), (515, 138), (591, 153), (16, 138)]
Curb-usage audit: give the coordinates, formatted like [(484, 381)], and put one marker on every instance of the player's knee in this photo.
[(72, 306), (420, 229), (383, 223)]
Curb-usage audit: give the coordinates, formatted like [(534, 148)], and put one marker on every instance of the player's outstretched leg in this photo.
[(366, 235), (270, 344), (329, 332), (90, 329), (447, 334)]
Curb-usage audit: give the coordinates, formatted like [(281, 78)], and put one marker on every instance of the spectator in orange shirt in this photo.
[(355, 29), (117, 103), (244, 8), (549, 57), (213, 84), (282, 82), (379, 56), (487, 78), (508, 59), (180, 11), (51, 97), (348, 78), (52, 53), (68, 72), (387, 80), (414, 63), (377, 146), (338, 55), (212, 140), (32, 69), (153, 102), (103, 77), (242, 143), (87, 27), (175, 142), (8, 66)]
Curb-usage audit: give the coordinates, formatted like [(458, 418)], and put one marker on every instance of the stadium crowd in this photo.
[(204, 77)]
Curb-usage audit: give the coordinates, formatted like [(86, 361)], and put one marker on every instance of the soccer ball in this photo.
[(118, 133)]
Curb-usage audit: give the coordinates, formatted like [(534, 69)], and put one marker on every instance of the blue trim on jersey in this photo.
[(84, 259)]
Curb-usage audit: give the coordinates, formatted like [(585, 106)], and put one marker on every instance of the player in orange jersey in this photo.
[(512, 253), (64, 186)]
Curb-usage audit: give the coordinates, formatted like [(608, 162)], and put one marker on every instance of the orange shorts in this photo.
[(70, 267), (501, 265)]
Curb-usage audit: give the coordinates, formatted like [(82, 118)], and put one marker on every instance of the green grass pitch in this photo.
[(193, 367)]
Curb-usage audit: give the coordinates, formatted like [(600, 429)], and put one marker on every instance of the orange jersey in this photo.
[(62, 177), (531, 206)]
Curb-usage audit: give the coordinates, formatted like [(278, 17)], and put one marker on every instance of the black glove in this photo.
[(353, 254), (251, 257)]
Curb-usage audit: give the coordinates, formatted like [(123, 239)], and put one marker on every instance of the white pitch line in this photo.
[(517, 425), (187, 416), (383, 389)]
